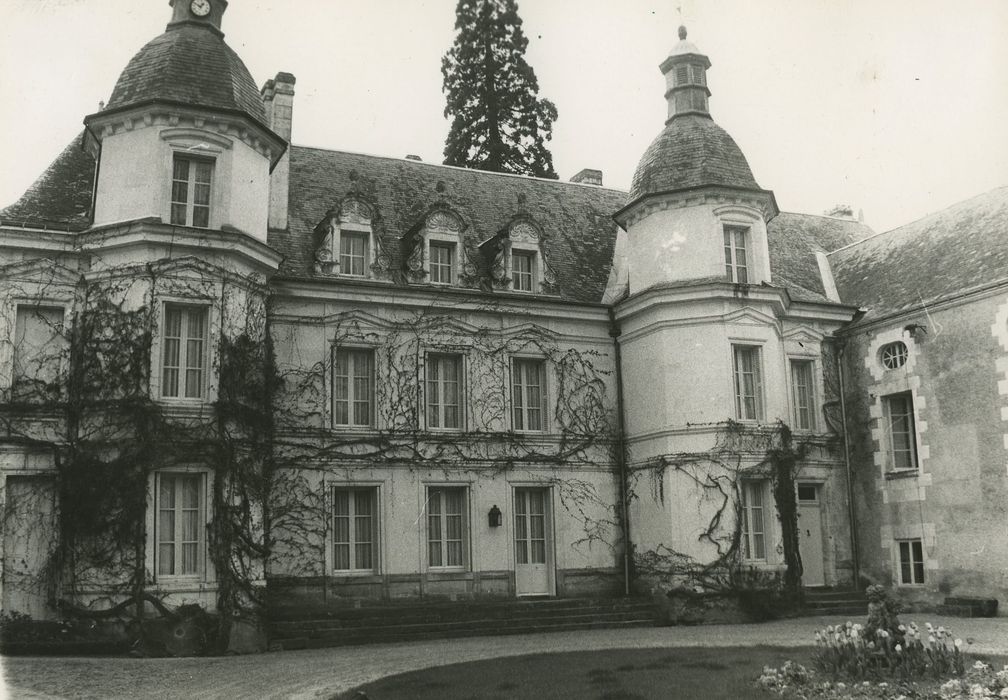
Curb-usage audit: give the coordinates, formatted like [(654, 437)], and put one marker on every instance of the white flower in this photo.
[(980, 666), (958, 644), (841, 685), (931, 639), (941, 630), (899, 648), (1003, 693), (902, 628)]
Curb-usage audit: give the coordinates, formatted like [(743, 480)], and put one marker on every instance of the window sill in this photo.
[(182, 585), (449, 575), (355, 577), (902, 474)]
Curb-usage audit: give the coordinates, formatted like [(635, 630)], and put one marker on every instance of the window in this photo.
[(355, 529), (181, 523), (682, 74), (441, 262), (353, 387), (697, 72), (446, 527), (38, 345), (901, 439), (803, 391), (522, 270), (911, 554), (184, 352), (753, 521), (353, 253), (190, 193), (736, 262), (444, 391), (748, 382), (893, 355), (528, 396)]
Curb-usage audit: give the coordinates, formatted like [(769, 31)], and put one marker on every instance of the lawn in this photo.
[(699, 673)]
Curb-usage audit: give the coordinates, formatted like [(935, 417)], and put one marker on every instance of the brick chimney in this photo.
[(278, 99), (588, 176)]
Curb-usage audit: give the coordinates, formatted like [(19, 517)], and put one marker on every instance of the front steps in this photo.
[(302, 628), (836, 601)]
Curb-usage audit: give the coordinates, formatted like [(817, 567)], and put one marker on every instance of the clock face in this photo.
[(200, 8)]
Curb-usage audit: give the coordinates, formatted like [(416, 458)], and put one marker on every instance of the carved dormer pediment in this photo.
[(350, 244)]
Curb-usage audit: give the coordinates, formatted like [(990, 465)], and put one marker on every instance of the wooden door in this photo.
[(533, 545), (811, 535), (29, 539)]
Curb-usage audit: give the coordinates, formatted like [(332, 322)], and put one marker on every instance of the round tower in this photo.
[(695, 210), (184, 137)]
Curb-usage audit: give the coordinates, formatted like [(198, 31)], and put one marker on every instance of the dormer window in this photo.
[(353, 254), (190, 191), (736, 257), (523, 270), (442, 262)]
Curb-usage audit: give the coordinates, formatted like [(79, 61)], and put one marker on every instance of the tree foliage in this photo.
[(499, 122)]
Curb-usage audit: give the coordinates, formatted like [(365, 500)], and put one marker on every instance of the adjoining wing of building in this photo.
[(232, 365)]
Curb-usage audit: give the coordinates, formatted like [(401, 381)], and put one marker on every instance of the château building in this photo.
[(233, 365)]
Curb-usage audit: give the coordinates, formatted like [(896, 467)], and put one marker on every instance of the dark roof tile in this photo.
[(794, 239)]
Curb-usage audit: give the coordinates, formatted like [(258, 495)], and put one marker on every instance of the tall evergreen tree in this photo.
[(499, 122)]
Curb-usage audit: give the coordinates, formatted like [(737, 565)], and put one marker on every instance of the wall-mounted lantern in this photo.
[(494, 516)]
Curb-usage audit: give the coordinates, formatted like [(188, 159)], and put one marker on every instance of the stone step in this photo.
[(834, 594), (389, 636), (314, 628)]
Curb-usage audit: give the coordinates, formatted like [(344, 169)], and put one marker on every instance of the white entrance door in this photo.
[(811, 535), (29, 538), (533, 549)]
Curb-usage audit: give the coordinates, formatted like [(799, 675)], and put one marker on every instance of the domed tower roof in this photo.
[(692, 151), (189, 64)]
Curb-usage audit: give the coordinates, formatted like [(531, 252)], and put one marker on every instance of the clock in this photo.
[(200, 8)]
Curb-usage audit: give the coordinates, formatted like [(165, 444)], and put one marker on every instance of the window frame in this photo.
[(811, 366), (374, 492), (516, 406), (186, 307), (917, 568), (897, 353), (191, 184), (759, 395), (732, 233), (205, 571), (890, 433), (747, 487), (442, 515), (351, 234), (33, 308), (452, 264), (351, 396), (532, 275), (458, 359)]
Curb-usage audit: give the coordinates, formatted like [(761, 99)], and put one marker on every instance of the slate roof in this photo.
[(579, 233), (61, 197), (692, 151), (956, 250), (189, 64), (794, 239)]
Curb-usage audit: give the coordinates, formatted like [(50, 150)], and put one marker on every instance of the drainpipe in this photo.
[(614, 333), (851, 511)]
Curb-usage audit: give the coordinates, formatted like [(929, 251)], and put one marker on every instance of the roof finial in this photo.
[(682, 31)]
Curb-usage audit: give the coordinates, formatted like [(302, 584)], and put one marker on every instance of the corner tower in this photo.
[(695, 210), (184, 137)]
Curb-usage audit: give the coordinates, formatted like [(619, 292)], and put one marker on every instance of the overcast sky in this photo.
[(897, 107)]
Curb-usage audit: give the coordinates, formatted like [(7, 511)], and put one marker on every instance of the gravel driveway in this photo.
[(322, 673)]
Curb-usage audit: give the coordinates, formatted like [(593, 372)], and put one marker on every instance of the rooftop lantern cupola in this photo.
[(685, 72), (205, 13)]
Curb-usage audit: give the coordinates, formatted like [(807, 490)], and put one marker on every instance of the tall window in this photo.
[(446, 527), (522, 270), (184, 352), (355, 529), (441, 259), (748, 382), (180, 524), (353, 387), (190, 194), (353, 253), (803, 391), (39, 344), (528, 395), (444, 391), (911, 554), (902, 442), (753, 521), (736, 261)]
